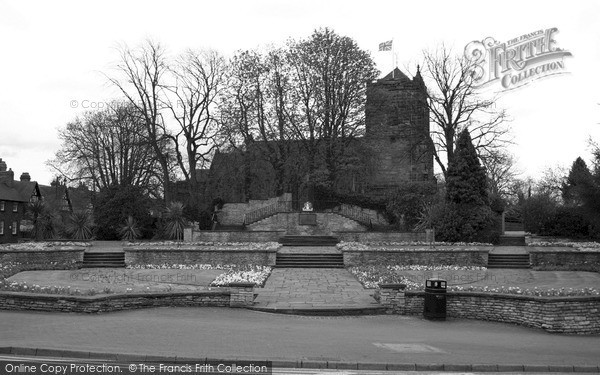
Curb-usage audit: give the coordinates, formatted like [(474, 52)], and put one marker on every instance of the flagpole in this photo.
[(393, 67)]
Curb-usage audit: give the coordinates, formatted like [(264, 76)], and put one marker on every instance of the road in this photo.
[(244, 334)]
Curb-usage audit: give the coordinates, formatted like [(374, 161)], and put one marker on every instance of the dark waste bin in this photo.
[(434, 307)]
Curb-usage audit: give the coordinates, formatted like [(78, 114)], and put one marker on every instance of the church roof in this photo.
[(397, 75)]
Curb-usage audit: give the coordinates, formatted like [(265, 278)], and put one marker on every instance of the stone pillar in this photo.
[(391, 296), (241, 294), (188, 234)]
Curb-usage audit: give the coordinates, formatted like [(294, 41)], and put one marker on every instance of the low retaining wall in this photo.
[(189, 255), (572, 315), (237, 295), (418, 257), (232, 236), (565, 260), (71, 256), (356, 236)]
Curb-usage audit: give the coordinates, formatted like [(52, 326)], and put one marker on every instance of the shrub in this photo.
[(115, 204), (131, 230), (407, 205), (459, 223), (174, 221), (80, 226), (538, 212)]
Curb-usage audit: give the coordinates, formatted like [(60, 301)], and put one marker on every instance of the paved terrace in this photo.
[(313, 288)]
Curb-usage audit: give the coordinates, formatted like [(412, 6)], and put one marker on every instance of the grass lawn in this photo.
[(120, 280)]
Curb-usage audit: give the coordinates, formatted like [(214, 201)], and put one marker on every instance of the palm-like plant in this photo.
[(131, 230), (80, 226), (174, 221), (43, 220)]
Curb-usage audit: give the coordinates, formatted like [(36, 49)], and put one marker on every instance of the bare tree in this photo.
[(455, 104), (329, 73), (501, 172), (199, 79), (140, 78), (106, 148), (256, 108)]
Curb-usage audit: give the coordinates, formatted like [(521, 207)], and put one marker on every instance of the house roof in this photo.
[(17, 191), (79, 198)]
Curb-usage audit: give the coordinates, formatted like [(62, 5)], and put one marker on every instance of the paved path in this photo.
[(510, 250), (244, 334), (105, 247), (309, 250), (308, 288)]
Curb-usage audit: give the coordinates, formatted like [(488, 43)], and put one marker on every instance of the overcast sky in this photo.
[(53, 53)]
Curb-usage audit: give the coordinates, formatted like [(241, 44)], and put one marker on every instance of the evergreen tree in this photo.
[(466, 182), (578, 189)]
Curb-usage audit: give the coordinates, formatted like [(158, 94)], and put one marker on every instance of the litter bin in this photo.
[(434, 307)]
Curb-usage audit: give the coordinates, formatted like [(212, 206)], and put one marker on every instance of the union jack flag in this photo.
[(385, 46)]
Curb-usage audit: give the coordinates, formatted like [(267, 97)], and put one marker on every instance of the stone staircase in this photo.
[(292, 240), (308, 260), (512, 241), (309, 252), (508, 261), (109, 259)]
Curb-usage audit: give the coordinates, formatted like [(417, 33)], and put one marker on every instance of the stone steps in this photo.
[(508, 261), (512, 241), (309, 260), (96, 260), (291, 240)]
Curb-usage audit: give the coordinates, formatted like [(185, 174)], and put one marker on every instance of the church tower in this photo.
[(397, 130)]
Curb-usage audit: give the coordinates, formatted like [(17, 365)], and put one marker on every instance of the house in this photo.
[(65, 200), (14, 198)]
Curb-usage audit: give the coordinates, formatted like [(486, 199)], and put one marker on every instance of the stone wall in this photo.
[(376, 217), (234, 236), (350, 236), (43, 258), (233, 213), (419, 257), (107, 303), (572, 315), (189, 255), (327, 224), (565, 260)]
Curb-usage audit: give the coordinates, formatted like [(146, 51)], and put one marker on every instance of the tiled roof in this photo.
[(16, 191)]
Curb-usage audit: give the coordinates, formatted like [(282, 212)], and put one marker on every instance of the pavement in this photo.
[(311, 289), (371, 342)]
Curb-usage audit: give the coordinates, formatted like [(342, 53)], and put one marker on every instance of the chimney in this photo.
[(25, 176), (2, 165), (7, 175)]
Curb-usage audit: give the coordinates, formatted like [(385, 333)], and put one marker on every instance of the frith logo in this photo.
[(517, 62)]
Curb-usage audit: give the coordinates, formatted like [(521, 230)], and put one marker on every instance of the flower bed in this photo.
[(552, 292), (372, 276), (210, 245), (414, 245), (234, 273), (581, 246), (112, 281), (257, 276), (41, 246)]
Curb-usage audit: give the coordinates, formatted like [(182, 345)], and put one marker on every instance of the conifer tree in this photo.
[(466, 182)]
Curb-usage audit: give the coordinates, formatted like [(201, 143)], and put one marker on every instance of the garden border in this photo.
[(461, 257), (235, 295), (71, 256), (141, 255)]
